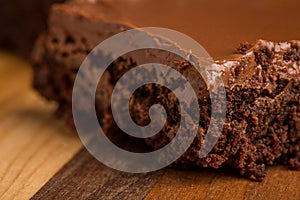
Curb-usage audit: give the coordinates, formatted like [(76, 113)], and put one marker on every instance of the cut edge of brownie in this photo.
[(262, 85)]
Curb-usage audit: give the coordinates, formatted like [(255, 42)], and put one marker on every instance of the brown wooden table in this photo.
[(43, 160)]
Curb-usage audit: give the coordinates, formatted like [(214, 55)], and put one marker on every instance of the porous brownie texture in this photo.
[(261, 82)]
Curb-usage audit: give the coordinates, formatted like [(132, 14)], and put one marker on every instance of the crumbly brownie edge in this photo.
[(248, 148)]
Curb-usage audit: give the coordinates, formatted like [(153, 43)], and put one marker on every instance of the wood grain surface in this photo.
[(34, 145), (86, 178), (39, 159)]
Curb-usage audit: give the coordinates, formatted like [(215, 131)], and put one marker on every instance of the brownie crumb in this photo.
[(243, 48)]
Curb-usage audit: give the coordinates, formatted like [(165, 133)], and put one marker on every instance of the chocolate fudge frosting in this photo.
[(261, 77)]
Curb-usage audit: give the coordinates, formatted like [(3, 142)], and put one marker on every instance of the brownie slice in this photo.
[(261, 82), (21, 22)]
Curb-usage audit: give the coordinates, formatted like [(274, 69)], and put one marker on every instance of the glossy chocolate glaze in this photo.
[(219, 26)]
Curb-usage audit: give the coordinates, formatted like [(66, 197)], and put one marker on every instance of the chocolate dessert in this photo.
[(255, 48), (21, 22)]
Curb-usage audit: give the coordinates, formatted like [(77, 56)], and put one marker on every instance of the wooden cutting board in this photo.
[(40, 159)]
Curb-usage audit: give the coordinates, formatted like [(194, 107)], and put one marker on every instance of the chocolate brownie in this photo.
[(261, 77), (21, 22)]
